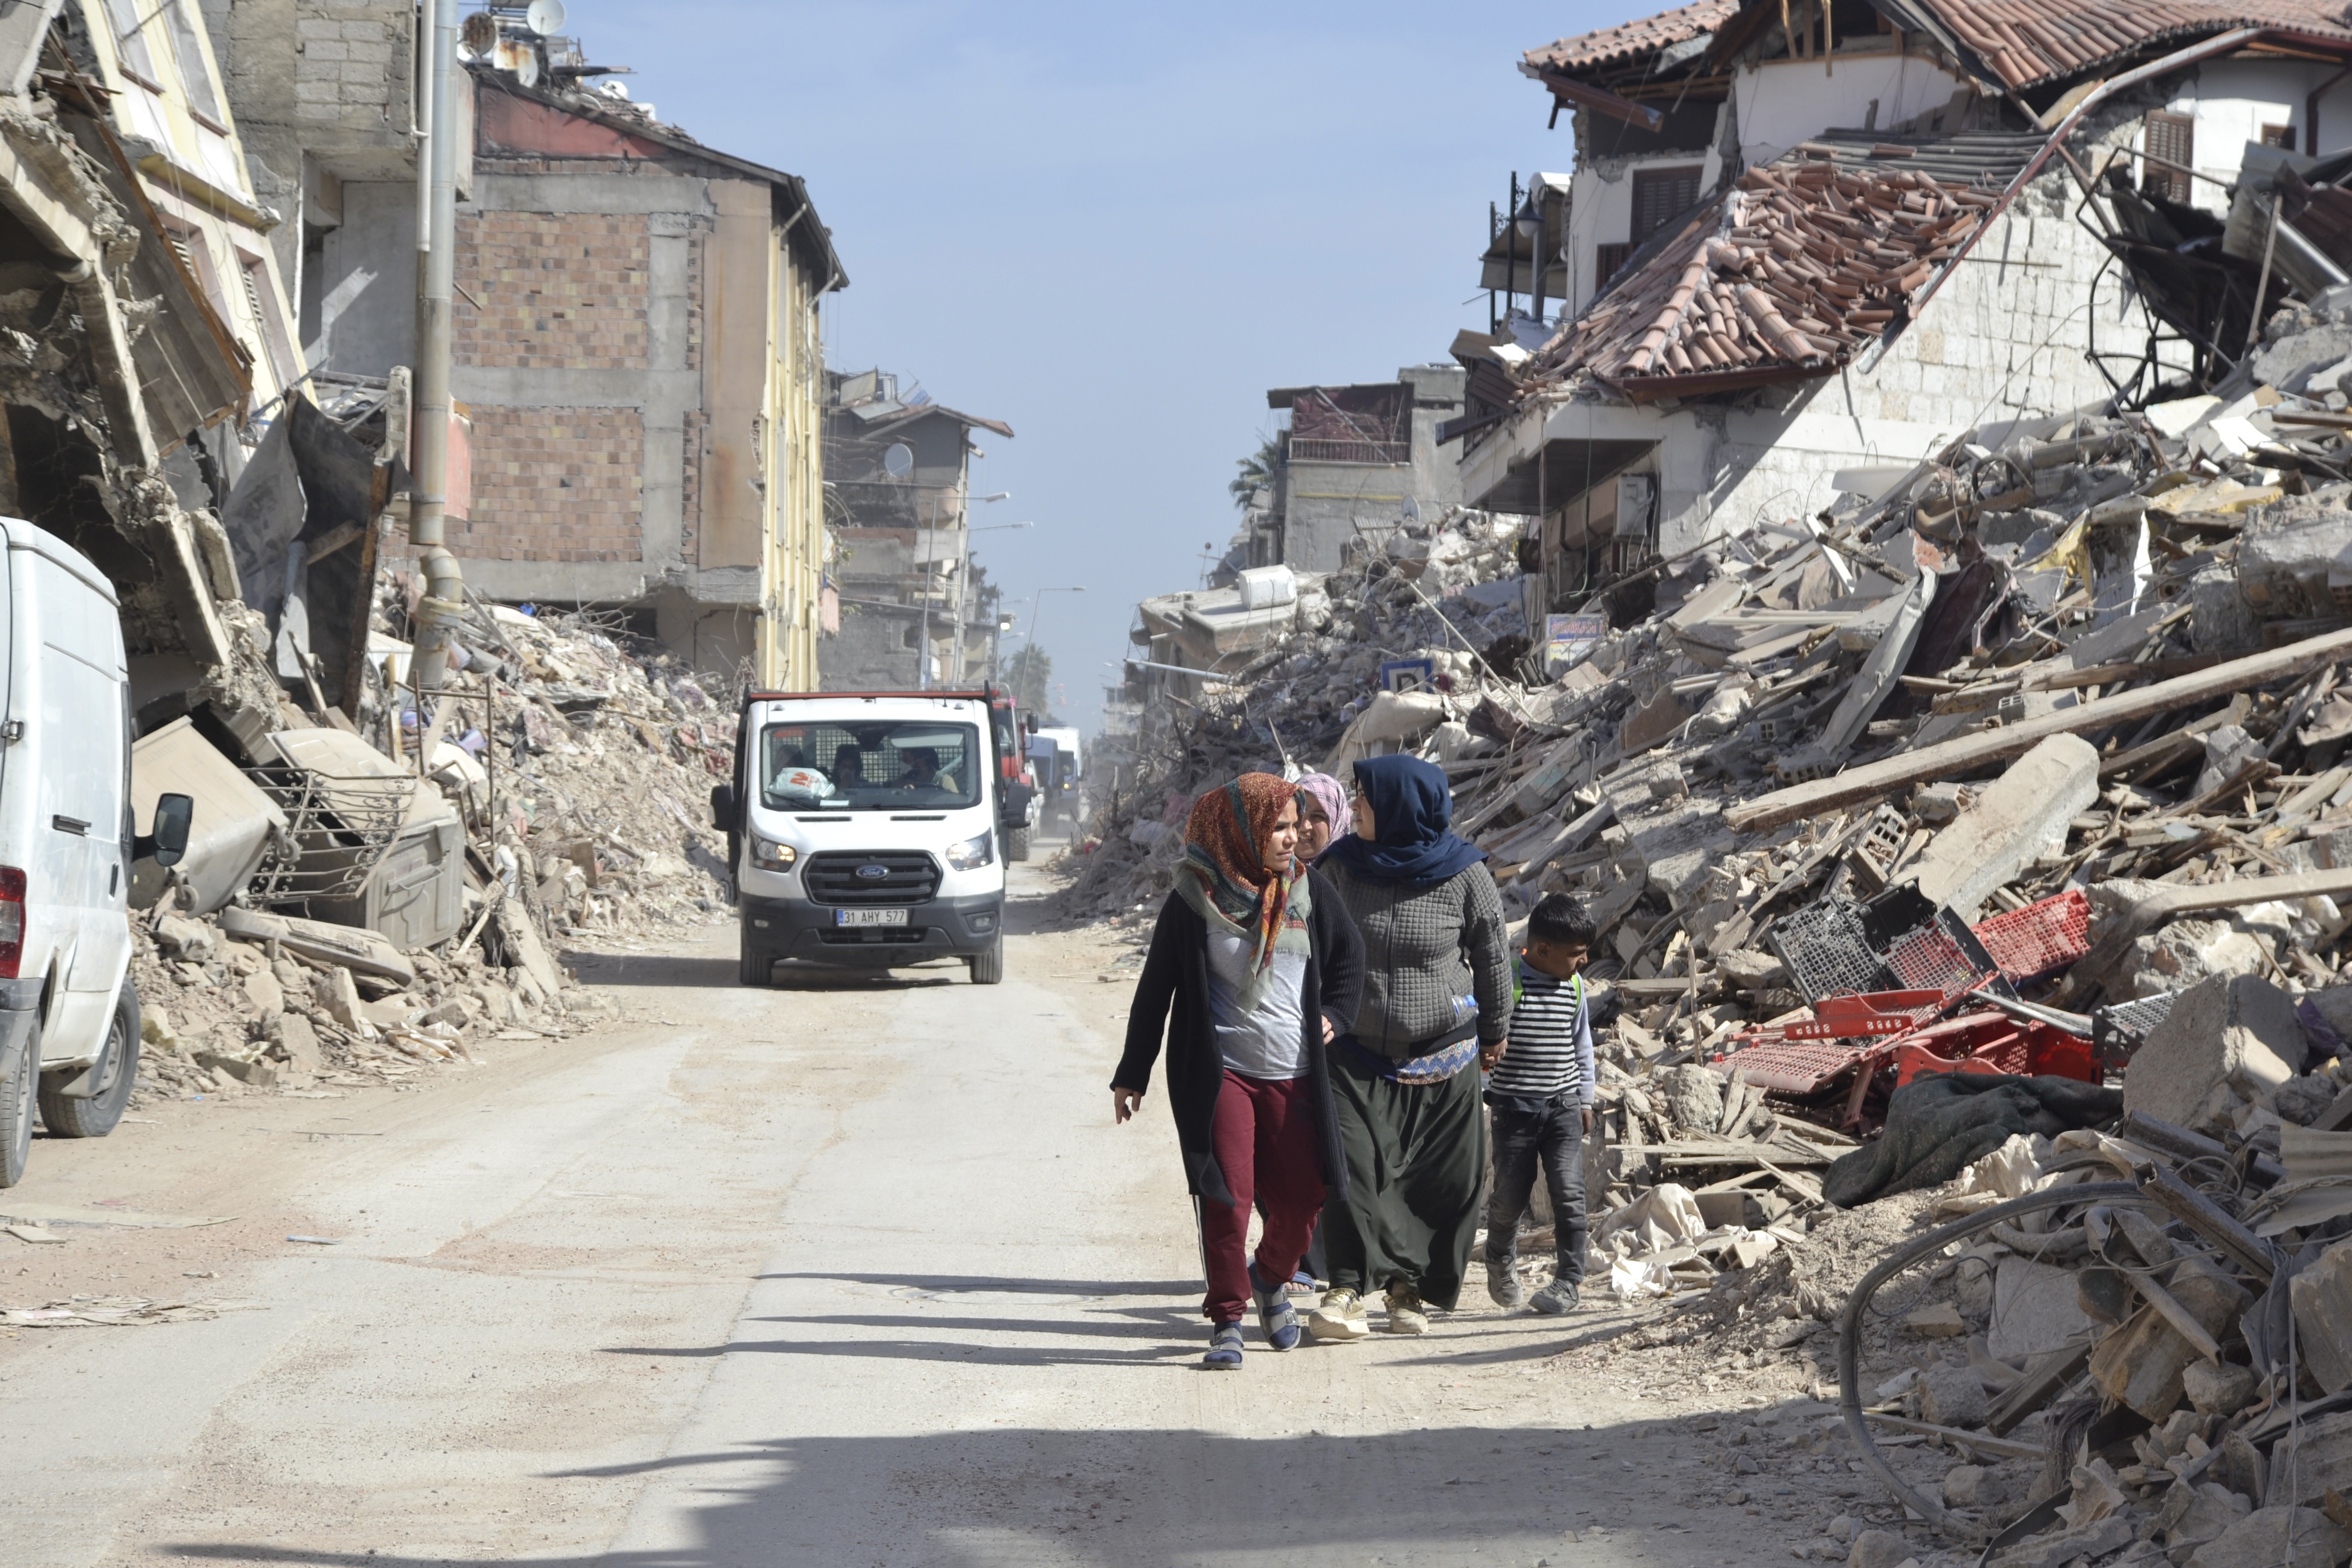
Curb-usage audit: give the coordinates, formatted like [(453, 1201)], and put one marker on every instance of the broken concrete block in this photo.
[(268, 997), (2322, 1299), (1940, 1321), (2056, 1548), (192, 942), (1650, 722), (1693, 1097), (2186, 952), (1938, 804), (2193, 1515), (2035, 1308), (2227, 1039), (1973, 1486), (1877, 1549), (2222, 1390), (298, 1042), (2270, 1536), (2022, 814), (2313, 1457), (1952, 1396), (397, 1008), (342, 1001), (2141, 1364), (252, 1073)]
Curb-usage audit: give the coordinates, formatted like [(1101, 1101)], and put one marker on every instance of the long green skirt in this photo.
[(1416, 1157)]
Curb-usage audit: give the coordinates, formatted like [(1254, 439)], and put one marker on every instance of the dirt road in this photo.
[(857, 1272)]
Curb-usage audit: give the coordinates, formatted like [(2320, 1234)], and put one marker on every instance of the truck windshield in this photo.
[(870, 766)]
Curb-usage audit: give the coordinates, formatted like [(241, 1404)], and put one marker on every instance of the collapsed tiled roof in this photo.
[(1787, 274), (1629, 41), (2026, 42)]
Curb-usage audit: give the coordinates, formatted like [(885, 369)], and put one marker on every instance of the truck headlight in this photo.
[(971, 852), (770, 856)]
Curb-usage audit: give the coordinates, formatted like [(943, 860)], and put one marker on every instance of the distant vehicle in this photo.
[(863, 830), (1018, 817), (1061, 775), (68, 1012)]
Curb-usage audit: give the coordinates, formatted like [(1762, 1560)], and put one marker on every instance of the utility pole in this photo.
[(436, 242)]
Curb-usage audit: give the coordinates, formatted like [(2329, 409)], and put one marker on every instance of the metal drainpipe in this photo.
[(444, 597)]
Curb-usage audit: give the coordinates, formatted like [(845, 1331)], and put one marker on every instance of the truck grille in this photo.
[(910, 877)]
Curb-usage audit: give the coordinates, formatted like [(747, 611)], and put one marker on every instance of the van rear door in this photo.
[(84, 753)]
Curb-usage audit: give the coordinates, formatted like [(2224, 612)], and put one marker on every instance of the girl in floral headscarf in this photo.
[(1253, 967)]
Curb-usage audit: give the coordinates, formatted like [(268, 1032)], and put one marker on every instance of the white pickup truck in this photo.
[(69, 1015), (865, 831)]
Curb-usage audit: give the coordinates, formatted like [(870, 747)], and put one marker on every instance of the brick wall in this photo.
[(555, 484), (690, 512), (554, 291)]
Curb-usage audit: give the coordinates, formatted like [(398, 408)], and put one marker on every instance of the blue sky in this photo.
[(1115, 227)]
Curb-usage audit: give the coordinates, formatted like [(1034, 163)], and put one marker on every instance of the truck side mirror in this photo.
[(167, 844), (722, 807)]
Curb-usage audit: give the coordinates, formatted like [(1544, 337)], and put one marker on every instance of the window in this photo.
[(131, 41), (1608, 260), (196, 257), (266, 321), (195, 76), (2169, 146), (876, 766), (2279, 136), (1659, 196)]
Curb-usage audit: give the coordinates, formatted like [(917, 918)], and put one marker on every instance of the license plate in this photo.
[(869, 916)]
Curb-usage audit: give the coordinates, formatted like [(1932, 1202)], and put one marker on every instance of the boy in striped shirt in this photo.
[(1540, 1095)]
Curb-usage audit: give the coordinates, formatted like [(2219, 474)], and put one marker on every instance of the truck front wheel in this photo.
[(17, 1090), (988, 968), (117, 1073), (758, 965)]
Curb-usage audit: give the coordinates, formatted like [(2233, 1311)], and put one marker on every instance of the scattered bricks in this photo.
[(2226, 1389), (343, 1004), (2053, 1551), (2142, 1363), (1938, 804), (2023, 813), (1953, 1396), (2230, 1039), (2270, 1536), (1940, 1321), (2194, 1515), (252, 1073)]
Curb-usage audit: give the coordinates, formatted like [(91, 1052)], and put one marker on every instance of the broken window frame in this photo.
[(275, 347), (198, 88), (133, 55), (2168, 137)]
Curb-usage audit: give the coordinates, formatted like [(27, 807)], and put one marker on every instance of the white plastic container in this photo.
[(1268, 587)]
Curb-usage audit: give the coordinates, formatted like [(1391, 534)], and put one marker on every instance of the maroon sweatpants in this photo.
[(1266, 1145)]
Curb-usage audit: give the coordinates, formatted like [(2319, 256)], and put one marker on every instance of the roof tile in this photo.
[(1629, 41)]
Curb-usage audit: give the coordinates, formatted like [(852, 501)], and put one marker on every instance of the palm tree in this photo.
[(1256, 472)]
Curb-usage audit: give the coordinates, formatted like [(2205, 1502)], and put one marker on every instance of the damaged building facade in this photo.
[(909, 608), (1354, 462), (1800, 259), (638, 364)]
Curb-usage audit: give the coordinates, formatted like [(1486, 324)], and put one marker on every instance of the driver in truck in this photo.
[(923, 771)]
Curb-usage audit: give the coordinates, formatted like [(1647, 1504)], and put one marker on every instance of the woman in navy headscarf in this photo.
[(1436, 1004)]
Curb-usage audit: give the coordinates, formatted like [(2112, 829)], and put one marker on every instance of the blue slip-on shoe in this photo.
[(1225, 1348), (1277, 1318)]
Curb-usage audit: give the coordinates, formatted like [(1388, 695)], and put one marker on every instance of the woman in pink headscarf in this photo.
[(1322, 812)]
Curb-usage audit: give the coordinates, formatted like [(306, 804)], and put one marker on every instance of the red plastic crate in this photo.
[(2041, 939), (1800, 1067)]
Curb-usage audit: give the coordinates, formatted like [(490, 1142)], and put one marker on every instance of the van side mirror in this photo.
[(722, 807), (167, 843)]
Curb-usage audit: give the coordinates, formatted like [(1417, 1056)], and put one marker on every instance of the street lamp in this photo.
[(963, 578), (1037, 603), (923, 636)]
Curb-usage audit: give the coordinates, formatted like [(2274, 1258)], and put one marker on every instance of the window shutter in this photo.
[(1661, 196), (2173, 139), (1608, 260)]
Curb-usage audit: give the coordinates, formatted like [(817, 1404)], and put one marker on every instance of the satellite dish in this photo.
[(544, 15), (898, 459), (479, 33), (527, 67)]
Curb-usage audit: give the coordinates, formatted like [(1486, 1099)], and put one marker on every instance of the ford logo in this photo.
[(873, 873)]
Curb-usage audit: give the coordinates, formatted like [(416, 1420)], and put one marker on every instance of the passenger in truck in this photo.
[(923, 771)]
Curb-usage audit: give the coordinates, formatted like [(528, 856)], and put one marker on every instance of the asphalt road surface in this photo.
[(853, 1272)]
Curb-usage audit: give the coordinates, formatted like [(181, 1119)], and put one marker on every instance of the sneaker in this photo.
[(1557, 1298), (1277, 1318), (1341, 1318), (1225, 1348), (1406, 1314), (1504, 1287)]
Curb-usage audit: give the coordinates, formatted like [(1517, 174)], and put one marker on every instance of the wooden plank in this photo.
[(1964, 753), (2002, 1447)]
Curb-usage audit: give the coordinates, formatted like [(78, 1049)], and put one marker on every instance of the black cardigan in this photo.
[(1176, 981)]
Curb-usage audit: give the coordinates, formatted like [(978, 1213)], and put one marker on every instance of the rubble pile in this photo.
[(1971, 840), (574, 765)]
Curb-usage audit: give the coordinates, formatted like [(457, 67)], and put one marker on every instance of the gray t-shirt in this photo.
[(1270, 1041)]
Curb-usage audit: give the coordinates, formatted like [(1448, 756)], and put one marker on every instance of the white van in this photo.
[(863, 828), (69, 1015)]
